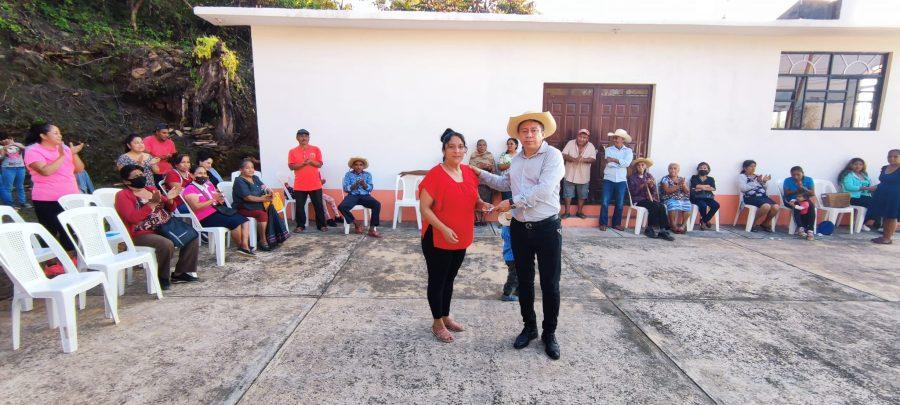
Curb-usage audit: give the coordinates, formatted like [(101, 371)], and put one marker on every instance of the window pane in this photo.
[(866, 64), (868, 84), (837, 84), (812, 115), (582, 92), (833, 112), (817, 83), (815, 96), (787, 60), (779, 114), (862, 115), (784, 96), (865, 96), (786, 82), (809, 63), (836, 96)]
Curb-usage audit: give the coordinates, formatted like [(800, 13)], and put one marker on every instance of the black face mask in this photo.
[(138, 182), (703, 172), (200, 180)]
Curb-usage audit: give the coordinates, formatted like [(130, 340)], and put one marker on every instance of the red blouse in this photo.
[(454, 205)]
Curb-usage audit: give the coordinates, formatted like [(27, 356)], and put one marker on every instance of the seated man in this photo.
[(358, 185)]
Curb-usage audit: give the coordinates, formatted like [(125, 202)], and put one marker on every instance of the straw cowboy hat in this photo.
[(646, 161), (543, 117), (361, 159), (621, 133)]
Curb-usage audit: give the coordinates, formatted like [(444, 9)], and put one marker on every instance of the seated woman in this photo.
[(135, 155), (143, 209), (209, 207), (205, 159), (358, 186), (855, 180), (753, 189), (250, 195), (675, 196), (179, 176), (796, 184), (702, 188), (642, 187)]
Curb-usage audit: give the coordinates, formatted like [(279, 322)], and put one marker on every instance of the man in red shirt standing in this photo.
[(161, 146), (305, 160)]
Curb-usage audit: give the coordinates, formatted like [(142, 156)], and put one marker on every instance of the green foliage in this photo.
[(7, 19), (204, 48), (460, 6)]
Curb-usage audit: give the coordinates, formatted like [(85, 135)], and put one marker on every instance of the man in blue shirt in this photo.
[(358, 187), (618, 157)]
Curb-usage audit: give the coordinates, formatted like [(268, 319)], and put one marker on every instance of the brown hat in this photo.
[(357, 158)]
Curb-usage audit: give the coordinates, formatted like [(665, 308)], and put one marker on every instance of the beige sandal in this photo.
[(453, 325), (443, 335)]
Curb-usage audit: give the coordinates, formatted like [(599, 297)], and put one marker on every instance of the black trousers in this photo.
[(656, 214), (443, 265), (864, 201), (300, 213), (706, 207), (541, 240), (46, 212), (367, 201)]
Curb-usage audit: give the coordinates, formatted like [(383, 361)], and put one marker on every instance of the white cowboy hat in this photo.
[(512, 128), (621, 133), (505, 218)]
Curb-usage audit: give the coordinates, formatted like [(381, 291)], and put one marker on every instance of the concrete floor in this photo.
[(726, 317)]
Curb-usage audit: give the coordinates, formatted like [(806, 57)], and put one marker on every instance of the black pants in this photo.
[(706, 207), (864, 201), (544, 241), (656, 214), (442, 268), (300, 213), (367, 201), (46, 212), (808, 220)]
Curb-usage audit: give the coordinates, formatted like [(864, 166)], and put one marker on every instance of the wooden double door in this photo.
[(600, 108)]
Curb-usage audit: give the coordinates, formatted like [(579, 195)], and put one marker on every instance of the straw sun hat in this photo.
[(621, 133), (361, 159), (512, 128)]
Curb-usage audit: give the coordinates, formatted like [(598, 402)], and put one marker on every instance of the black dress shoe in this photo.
[(551, 347), (525, 338)]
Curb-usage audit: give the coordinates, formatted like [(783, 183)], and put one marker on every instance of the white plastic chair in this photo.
[(23, 268), (237, 173), (641, 214), (217, 235), (41, 253), (833, 214), (87, 224), (792, 225), (226, 188), (290, 203), (163, 189), (408, 185), (751, 212), (77, 201), (695, 214), (106, 197), (365, 211)]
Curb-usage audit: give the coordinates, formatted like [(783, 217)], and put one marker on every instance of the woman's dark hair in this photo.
[(797, 169), (805, 193), (244, 162), (178, 157), (35, 131), (128, 140), (747, 164), (126, 170), (703, 164), (514, 140), (203, 154), (449, 134), (849, 169)]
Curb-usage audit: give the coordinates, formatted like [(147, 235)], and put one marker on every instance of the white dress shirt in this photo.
[(534, 182), (618, 172)]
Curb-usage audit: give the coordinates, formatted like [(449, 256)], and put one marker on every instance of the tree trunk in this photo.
[(135, 7), (215, 85)]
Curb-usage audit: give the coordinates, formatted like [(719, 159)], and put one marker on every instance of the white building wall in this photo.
[(388, 94)]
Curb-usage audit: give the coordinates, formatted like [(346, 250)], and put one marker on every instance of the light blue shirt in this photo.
[(534, 182), (618, 172)]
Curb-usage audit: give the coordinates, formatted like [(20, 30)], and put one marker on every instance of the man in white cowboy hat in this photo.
[(358, 187), (533, 178), (615, 178)]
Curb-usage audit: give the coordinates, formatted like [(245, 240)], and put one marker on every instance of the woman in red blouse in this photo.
[(448, 197)]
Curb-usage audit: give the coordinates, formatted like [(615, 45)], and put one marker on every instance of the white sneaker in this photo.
[(866, 228)]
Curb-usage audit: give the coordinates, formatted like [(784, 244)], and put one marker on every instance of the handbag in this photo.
[(836, 200), (225, 210), (177, 231)]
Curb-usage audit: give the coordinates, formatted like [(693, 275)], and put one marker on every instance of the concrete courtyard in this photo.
[(726, 317)]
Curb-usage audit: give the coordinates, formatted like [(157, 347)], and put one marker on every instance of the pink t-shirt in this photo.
[(159, 149), (204, 197), (60, 183)]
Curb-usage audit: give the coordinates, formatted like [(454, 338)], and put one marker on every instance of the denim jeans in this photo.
[(12, 177), (610, 189)]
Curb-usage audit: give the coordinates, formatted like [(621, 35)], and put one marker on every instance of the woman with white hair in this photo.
[(676, 197)]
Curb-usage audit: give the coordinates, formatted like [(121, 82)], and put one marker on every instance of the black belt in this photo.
[(537, 224)]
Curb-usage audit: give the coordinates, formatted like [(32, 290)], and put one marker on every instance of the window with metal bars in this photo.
[(829, 91)]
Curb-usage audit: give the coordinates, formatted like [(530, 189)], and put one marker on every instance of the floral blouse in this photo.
[(678, 194)]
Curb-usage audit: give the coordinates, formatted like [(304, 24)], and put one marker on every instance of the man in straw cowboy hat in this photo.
[(533, 178), (618, 158), (358, 187)]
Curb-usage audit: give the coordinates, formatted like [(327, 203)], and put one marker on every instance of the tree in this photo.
[(460, 6)]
